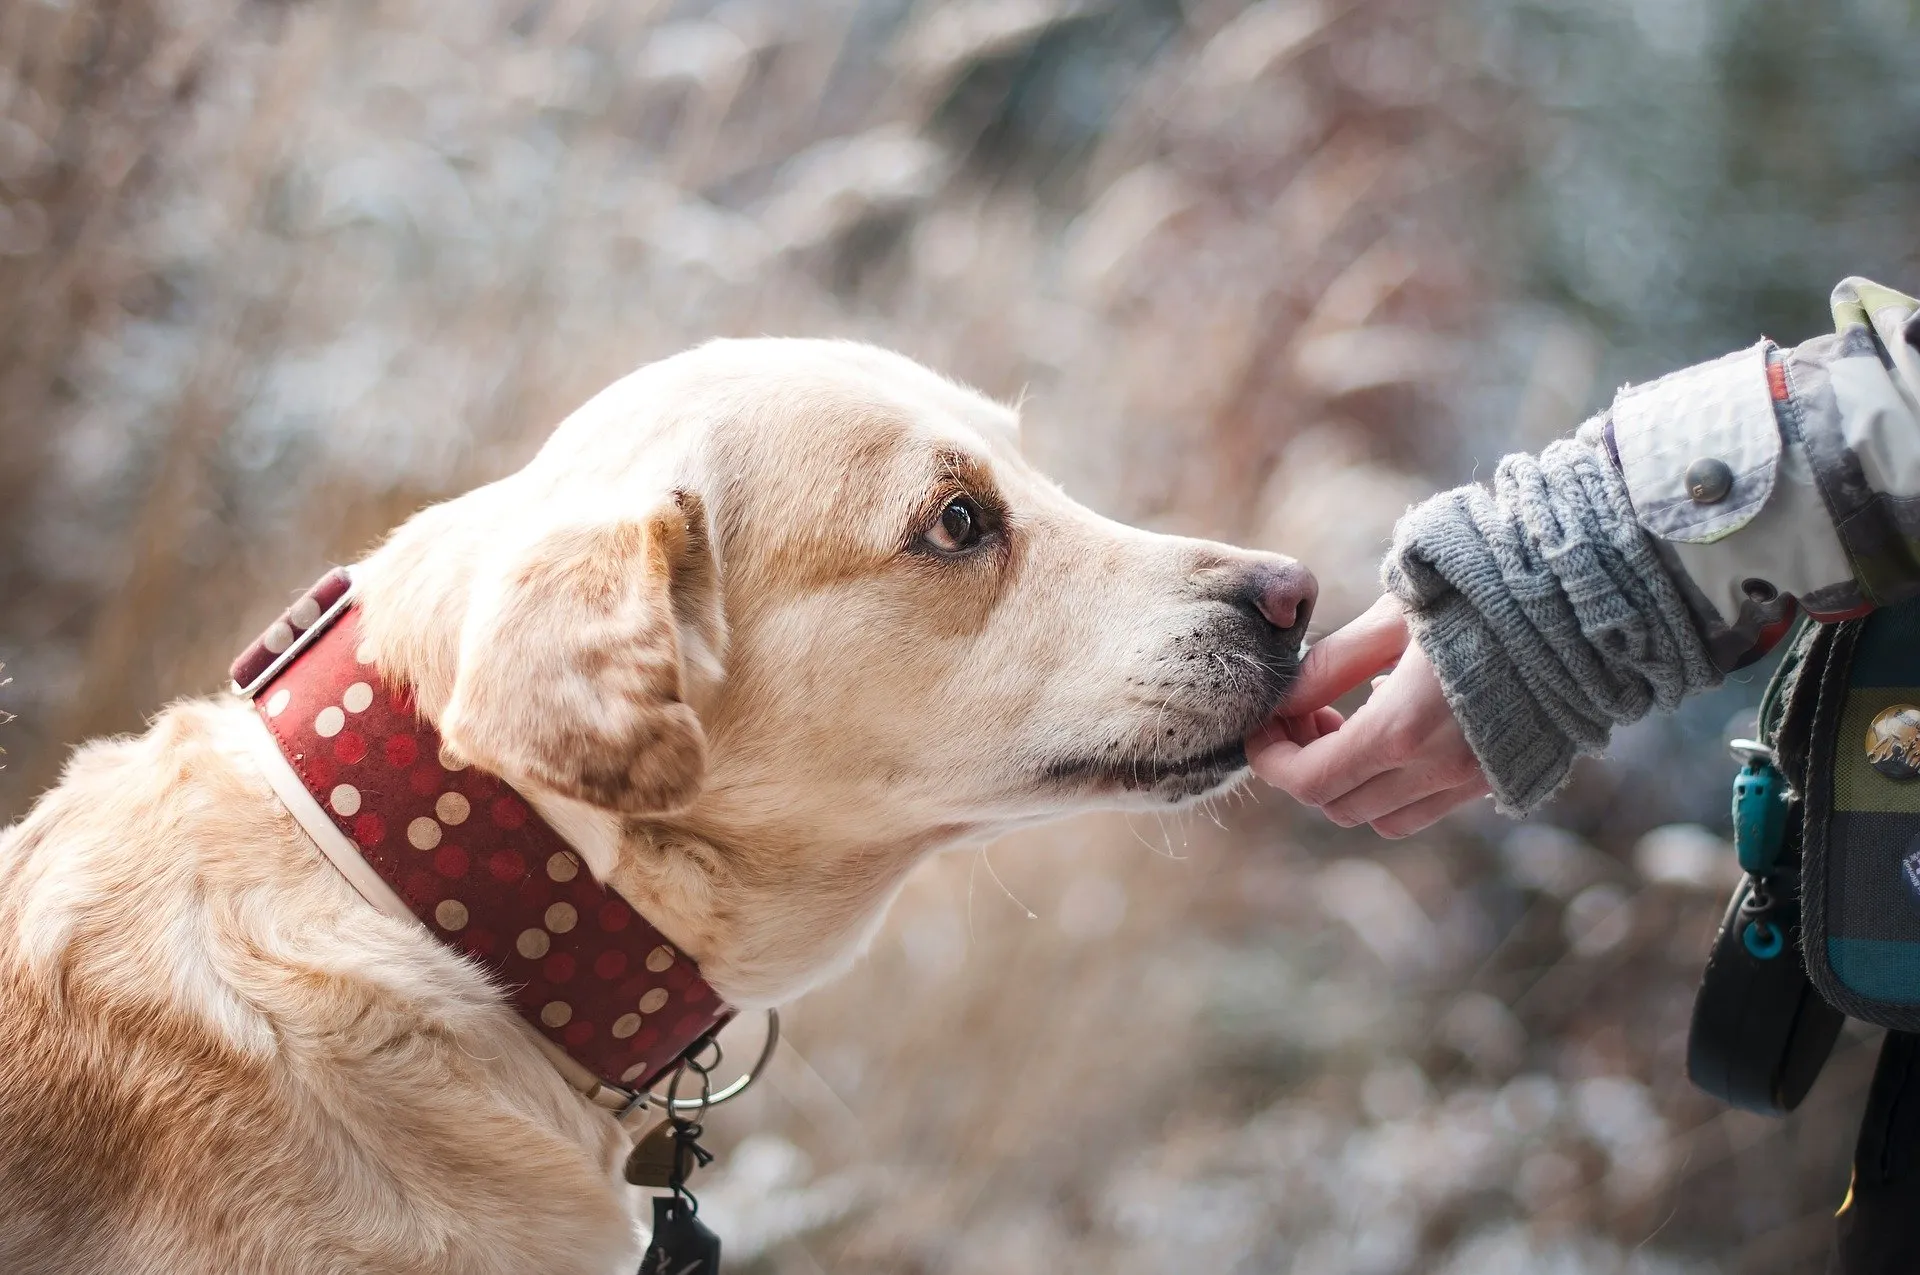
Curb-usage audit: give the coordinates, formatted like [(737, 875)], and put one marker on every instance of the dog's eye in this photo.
[(959, 526)]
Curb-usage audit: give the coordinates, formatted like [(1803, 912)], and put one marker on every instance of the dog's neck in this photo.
[(766, 914), (765, 921)]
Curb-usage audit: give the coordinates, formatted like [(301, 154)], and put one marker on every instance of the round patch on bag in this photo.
[(1893, 742)]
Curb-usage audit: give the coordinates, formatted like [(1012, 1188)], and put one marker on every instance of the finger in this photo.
[(1306, 728), (1348, 656), (1392, 790), (1430, 810), (1317, 724), (1271, 755), (1299, 730), (1322, 771)]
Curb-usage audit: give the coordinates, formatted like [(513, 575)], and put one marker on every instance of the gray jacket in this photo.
[(1675, 537)]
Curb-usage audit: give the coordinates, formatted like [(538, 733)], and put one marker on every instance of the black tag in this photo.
[(681, 1244)]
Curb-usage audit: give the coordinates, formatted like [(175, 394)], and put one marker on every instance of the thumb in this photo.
[(1347, 657)]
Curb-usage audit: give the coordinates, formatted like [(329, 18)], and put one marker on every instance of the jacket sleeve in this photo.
[(1672, 539), (1776, 477)]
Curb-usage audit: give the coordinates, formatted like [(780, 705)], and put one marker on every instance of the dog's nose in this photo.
[(1283, 593)]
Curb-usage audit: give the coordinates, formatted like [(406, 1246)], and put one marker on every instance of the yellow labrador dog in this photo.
[(760, 628)]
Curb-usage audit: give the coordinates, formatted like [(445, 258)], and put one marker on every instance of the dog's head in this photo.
[(800, 610)]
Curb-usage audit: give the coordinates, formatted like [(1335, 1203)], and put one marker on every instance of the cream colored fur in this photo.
[(705, 632)]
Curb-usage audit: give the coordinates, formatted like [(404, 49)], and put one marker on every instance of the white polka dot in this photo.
[(532, 944), (423, 833), (278, 701), (357, 697), (328, 721), (633, 1073), (556, 1013), (303, 613), (561, 917), (561, 867), (345, 799), (278, 637), (625, 1026), (659, 958), (452, 808), (363, 654), (452, 914), (653, 1001), (450, 760)]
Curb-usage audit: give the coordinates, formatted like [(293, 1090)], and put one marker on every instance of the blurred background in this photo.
[(275, 273)]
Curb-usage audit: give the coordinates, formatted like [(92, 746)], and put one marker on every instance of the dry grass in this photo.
[(302, 268)]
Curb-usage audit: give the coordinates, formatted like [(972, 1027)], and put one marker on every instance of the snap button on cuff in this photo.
[(1709, 481)]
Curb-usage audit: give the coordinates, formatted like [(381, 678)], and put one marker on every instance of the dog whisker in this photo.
[(1031, 914)]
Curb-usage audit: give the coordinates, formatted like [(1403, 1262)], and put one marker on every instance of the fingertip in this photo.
[(1343, 660), (1268, 759)]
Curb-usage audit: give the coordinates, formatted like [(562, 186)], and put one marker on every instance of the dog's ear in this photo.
[(572, 665)]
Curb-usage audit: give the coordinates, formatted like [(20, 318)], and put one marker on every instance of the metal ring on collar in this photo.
[(671, 1104)]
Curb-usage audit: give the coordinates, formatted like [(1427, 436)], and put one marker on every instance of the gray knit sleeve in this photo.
[(1547, 613)]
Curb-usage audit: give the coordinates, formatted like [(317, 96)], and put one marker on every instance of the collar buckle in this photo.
[(309, 616)]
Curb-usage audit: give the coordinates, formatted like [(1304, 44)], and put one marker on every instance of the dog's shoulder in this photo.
[(99, 1046), (211, 1049)]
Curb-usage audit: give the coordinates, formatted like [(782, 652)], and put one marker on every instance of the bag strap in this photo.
[(1793, 692)]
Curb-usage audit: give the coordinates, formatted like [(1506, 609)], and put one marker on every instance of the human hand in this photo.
[(1399, 763)]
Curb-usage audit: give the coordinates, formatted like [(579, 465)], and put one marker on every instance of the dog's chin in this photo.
[(1184, 772), (1159, 780)]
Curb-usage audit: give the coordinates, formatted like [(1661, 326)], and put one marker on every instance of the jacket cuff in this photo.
[(1700, 448)]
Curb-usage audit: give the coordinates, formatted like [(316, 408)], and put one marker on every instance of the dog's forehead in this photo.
[(848, 391), (820, 456), (738, 399), (842, 414)]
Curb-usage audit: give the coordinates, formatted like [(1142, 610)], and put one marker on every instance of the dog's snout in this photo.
[(1280, 592)]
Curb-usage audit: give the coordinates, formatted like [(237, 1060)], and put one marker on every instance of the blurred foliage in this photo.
[(274, 274), (1707, 169)]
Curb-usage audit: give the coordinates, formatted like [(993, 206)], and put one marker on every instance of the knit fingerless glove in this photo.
[(1546, 612)]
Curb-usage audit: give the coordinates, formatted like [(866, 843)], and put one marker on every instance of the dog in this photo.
[(761, 627)]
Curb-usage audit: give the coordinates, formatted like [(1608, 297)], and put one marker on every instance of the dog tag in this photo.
[(682, 1245), (654, 1158)]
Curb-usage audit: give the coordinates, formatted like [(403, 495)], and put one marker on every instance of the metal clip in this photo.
[(672, 1103)]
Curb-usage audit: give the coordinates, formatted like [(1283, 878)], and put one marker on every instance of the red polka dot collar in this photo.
[(414, 829)]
